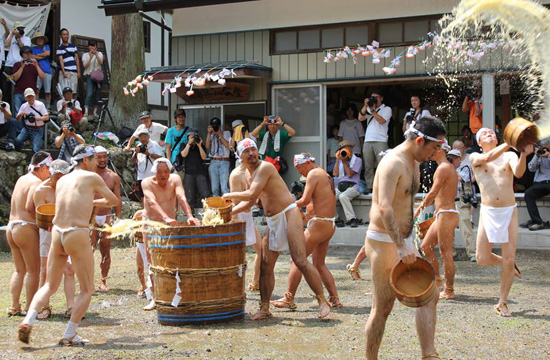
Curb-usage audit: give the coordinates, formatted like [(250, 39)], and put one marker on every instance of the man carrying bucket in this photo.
[(494, 170), (389, 236), (285, 226)]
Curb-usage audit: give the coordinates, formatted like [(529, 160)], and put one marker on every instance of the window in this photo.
[(357, 35), (416, 30), (333, 38), (147, 36), (285, 41), (390, 33), (308, 39)]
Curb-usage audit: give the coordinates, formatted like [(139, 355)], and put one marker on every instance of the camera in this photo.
[(70, 128), (69, 103), (541, 151), (143, 148), (272, 119), (30, 118), (27, 61), (471, 92), (3, 104), (372, 101), (470, 198), (197, 138), (296, 188), (410, 114), (344, 153), (216, 124), (21, 31)]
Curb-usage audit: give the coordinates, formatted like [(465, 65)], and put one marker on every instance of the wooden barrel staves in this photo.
[(224, 207), (44, 216), (413, 284), (210, 263), (520, 133)]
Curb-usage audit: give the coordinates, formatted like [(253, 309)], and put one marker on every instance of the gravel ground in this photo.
[(467, 328)]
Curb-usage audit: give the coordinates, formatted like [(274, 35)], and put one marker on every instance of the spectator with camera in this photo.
[(41, 53), (351, 129), (217, 142), (145, 153), (93, 71), (67, 141), (156, 131), (273, 140), (473, 105), (71, 110), (8, 125), (540, 165), (33, 115), (14, 41), (67, 55), (25, 74), (194, 183), (347, 172), (415, 113), (466, 199), (176, 138), (378, 117)]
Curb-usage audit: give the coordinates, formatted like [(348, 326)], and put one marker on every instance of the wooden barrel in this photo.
[(211, 264), (44, 216), (520, 132), (414, 284), (223, 206)]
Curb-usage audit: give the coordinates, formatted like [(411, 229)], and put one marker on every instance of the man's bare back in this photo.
[(274, 195), (44, 194), (323, 199), (446, 196), (237, 180), (112, 180), (496, 179), (22, 202)]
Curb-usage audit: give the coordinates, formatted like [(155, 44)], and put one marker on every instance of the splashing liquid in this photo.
[(520, 26)]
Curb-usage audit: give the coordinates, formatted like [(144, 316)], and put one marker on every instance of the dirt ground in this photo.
[(467, 328)]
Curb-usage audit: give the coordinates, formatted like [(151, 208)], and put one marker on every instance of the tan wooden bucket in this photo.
[(424, 226), (520, 132), (414, 284), (223, 206), (44, 216)]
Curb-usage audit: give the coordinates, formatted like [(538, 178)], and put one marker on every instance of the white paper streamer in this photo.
[(176, 299)]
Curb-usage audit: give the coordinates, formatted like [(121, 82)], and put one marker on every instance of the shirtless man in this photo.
[(237, 182), (162, 192), (389, 235), (442, 231), (320, 200), (104, 215), (45, 194), (22, 233), (494, 170), (285, 226), (74, 203)]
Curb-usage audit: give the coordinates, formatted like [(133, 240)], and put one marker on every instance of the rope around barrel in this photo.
[(199, 272), (205, 305)]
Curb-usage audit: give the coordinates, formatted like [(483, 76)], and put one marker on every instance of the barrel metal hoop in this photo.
[(196, 236), (210, 318)]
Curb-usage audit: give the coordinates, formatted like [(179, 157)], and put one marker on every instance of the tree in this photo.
[(127, 61)]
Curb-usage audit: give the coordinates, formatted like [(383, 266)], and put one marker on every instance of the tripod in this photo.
[(104, 111)]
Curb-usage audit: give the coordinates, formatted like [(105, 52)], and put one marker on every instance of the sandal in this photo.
[(334, 302), (432, 355), (74, 341), (322, 299), (15, 312), (24, 333), (518, 275), (103, 288), (447, 294), (499, 309), (354, 272), (254, 286), (287, 302), (45, 313), (262, 314)]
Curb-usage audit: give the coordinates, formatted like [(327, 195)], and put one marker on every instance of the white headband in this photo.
[(46, 162), (420, 133), (158, 161), (59, 167), (300, 159), (480, 132), (245, 144), (88, 151), (100, 149)]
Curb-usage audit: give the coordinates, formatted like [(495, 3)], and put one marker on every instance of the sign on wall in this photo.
[(33, 17)]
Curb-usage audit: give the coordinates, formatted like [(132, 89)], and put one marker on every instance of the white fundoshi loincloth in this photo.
[(454, 211), (496, 221), (278, 239), (250, 228)]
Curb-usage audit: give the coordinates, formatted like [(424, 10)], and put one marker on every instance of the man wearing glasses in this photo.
[(378, 118)]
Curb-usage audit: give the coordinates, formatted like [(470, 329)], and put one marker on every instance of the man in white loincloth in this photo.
[(105, 215), (74, 203), (45, 194), (237, 182), (320, 200), (284, 222), (494, 170)]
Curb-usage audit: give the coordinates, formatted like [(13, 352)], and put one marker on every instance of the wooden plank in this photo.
[(331, 70), (419, 67), (350, 68), (293, 67), (181, 50), (266, 58), (198, 50), (257, 49), (190, 50), (249, 46), (302, 66), (240, 46), (231, 47), (285, 67), (276, 66), (223, 47), (206, 49), (312, 60), (215, 48), (175, 54), (341, 67)]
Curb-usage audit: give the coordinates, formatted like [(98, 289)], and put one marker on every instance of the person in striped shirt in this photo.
[(67, 55)]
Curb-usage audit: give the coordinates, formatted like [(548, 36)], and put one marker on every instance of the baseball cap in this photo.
[(345, 143), (29, 92), (67, 88), (455, 152), (143, 131), (25, 49), (144, 115)]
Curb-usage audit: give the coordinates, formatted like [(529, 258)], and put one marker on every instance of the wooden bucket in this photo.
[(424, 226), (44, 216), (211, 264), (414, 284), (223, 206), (520, 132)]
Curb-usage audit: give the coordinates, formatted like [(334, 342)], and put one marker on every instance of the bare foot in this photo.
[(103, 287), (324, 306), (264, 313), (517, 273), (141, 293), (286, 302), (502, 309), (45, 313), (447, 294), (354, 272), (335, 302)]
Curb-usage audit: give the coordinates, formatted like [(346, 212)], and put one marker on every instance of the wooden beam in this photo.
[(126, 7)]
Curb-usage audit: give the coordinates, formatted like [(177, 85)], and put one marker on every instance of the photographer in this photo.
[(34, 115), (14, 41), (67, 141), (378, 117), (218, 143), (194, 182), (347, 171), (70, 110), (416, 112), (540, 165), (41, 53), (25, 75), (93, 71), (473, 104), (145, 153), (273, 140), (156, 130), (8, 125)]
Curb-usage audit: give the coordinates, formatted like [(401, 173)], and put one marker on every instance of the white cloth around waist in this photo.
[(250, 227), (278, 239), (496, 221)]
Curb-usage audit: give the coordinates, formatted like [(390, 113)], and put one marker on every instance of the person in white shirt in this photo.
[(415, 113), (4, 37), (351, 129), (14, 40), (93, 71), (8, 125), (34, 115), (217, 141), (70, 109), (156, 131), (378, 117), (144, 155)]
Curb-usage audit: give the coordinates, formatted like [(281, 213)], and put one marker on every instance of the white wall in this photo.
[(82, 17)]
